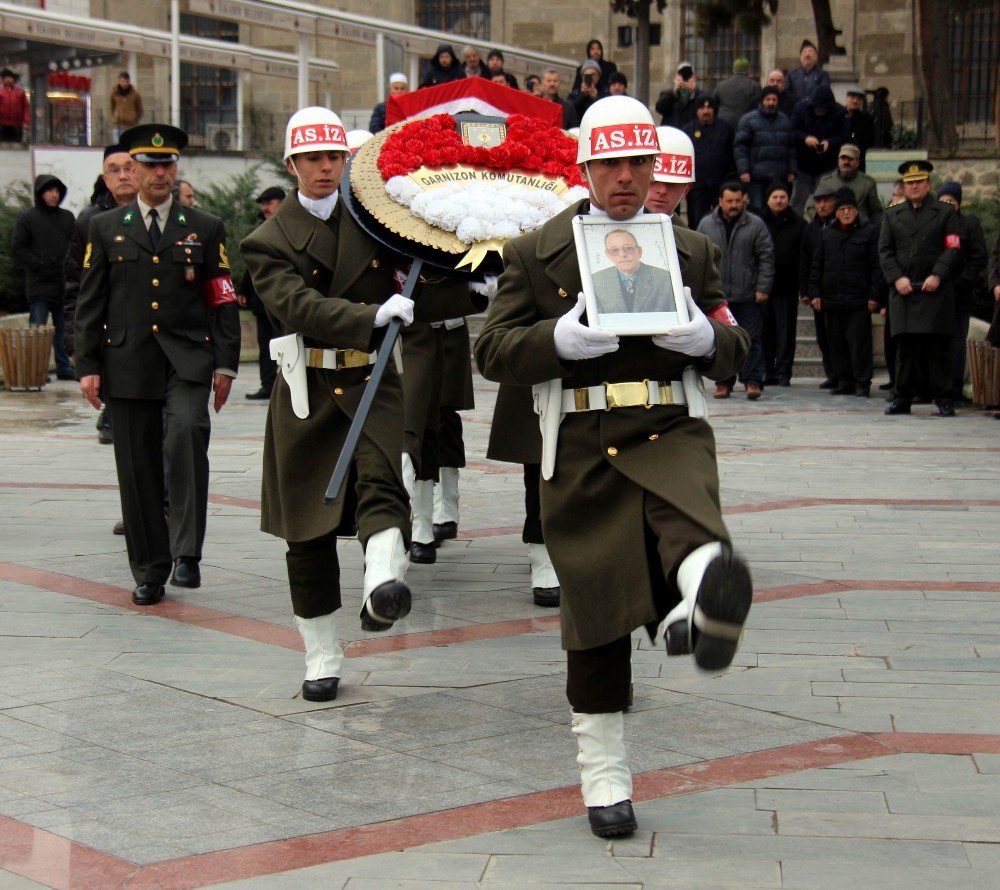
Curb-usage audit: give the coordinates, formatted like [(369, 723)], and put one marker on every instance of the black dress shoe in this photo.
[(946, 409), (614, 821), (898, 406), (262, 393), (389, 602), (828, 384), (885, 387), (320, 690), (784, 381), (186, 572), (423, 553), (105, 436), (65, 375), (842, 391), (863, 391), (547, 597), (445, 531), (147, 594)]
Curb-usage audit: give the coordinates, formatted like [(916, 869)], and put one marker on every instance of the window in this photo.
[(470, 18), (208, 94), (713, 59), (975, 48)]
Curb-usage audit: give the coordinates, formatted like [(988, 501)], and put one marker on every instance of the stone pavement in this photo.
[(856, 740)]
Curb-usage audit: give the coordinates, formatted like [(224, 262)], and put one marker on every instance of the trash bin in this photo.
[(984, 372), (24, 354)]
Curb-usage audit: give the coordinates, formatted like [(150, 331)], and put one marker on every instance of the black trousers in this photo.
[(850, 339), (889, 348), (780, 320), (314, 576), (140, 447), (823, 342), (532, 531), (451, 444), (923, 360), (268, 366), (598, 680)]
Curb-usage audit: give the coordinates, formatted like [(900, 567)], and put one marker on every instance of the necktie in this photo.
[(154, 230), (629, 286)]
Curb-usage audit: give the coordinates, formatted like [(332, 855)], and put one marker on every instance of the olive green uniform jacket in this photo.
[(912, 244), (592, 508), (325, 280), (140, 312)]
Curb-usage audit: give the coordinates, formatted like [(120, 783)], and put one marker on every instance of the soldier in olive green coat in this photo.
[(631, 514), (327, 286)]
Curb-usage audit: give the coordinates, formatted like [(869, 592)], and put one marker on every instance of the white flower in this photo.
[(478, 211)]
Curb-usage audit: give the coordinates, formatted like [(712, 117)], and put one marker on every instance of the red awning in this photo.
[(475, 94)]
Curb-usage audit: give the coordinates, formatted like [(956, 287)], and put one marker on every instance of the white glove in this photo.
[(695, 338), (487, 287), (576, 341), (397, 306)]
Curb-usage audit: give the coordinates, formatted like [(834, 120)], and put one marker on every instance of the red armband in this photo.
[(217, 292), (722, 315), (952, 242)]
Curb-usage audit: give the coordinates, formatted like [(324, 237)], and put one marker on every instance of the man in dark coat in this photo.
[(713, 158), (398, 85), (40, 243), (824, 202), (551, 82), (764, 148), (810, 76), (859, 128), (819, 133), (782, 307), (593, 88), (269, 201), (594, 52), (737, 95), (443, 68), (158, 324), (331, 289), (968, 276), (845, 283), (918, 249), (677, 106), (494, 67), (670, 523)]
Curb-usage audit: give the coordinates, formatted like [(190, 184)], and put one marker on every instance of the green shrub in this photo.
[(13, 202), (233, 202)]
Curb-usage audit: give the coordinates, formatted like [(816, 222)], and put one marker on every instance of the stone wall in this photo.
[(979, 177)]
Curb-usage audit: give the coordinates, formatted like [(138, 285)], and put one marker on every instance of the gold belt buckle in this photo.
[(314, 358), (581, 399), (666, 393), (627, 395)]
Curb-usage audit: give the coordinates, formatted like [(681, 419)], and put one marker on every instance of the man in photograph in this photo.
[(631, 285)]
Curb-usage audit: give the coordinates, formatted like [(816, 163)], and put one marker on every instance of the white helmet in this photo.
[(314, 129), (357, 138), (675, 162), (616, 127)]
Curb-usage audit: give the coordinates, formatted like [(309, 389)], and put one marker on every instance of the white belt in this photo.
[(641, 393), (449, 323), (338, 359)]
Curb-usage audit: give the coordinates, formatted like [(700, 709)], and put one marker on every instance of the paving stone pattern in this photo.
[(152, 739)]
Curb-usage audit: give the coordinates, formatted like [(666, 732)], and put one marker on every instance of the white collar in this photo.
[(597, 211), (321, 208), (162, 210)]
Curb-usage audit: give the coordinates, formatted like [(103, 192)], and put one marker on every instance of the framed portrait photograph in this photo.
[(631, 275)]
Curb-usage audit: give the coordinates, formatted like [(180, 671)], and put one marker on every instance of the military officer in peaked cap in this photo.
[(918, 249), (157, 323)]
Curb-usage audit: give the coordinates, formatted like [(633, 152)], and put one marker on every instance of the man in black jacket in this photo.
[(919, 250), (819, 133), (858, 123), (968, 279), (845, 282), (781, 310), (713, 157), (40, 242), (823, 204), (443, 68), (398, 85)]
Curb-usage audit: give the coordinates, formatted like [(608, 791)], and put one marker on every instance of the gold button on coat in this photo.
[(563, 293), (654, 437), (155, 328), (374, 264), (156, 259), (612, 451), (338, 391), (155, 305), (156, 282)]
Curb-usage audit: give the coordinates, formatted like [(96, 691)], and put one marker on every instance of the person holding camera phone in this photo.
[(677, 106), (591, 87)]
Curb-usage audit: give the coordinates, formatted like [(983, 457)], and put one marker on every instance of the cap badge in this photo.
[(157, 141)]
